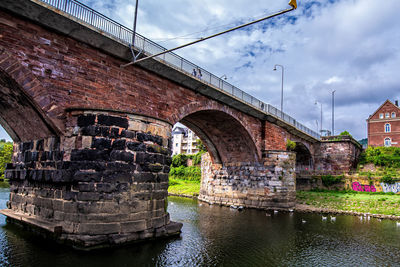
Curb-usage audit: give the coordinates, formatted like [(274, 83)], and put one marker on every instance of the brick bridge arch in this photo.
[(223, 131), (93, 162), (20, 113), (304, 158)]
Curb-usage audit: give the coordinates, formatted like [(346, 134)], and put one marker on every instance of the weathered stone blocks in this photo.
[(268, 185), (103, 182)]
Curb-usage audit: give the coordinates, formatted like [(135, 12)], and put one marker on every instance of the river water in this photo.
[(220, 236)]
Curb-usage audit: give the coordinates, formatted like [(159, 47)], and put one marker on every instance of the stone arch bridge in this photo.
[(92, 140)]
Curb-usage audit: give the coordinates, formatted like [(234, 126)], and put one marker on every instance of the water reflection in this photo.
[(219, 236)]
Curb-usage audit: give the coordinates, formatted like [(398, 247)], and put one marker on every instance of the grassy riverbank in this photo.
[(184, 187), (374, 203)]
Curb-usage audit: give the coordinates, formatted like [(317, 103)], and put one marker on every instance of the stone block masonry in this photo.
[(104, 183), (270, 185)]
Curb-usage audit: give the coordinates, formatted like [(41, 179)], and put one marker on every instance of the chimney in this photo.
[(396, 102)]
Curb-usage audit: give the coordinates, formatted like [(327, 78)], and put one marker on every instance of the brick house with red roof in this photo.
[(384, 125)]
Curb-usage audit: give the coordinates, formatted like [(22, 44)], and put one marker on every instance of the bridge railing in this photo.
[(123, 34)]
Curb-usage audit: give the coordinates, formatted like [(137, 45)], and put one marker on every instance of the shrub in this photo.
[(290, 145), (328, 180), (381, 156), (192, 173), (345, 133), (200, 146), (387, 179), (197, 158), (6, 150), (179, 160)]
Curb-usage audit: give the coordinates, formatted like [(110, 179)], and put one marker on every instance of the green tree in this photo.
[(6, 150), (200, 146), (345, 133), (179, 160)]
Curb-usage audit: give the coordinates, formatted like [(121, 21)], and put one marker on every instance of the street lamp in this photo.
[(316, 103), (283, 70), (221, 81), (333, 112)]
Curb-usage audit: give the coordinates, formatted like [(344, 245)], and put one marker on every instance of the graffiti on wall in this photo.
[(387, 188), (363, 188)]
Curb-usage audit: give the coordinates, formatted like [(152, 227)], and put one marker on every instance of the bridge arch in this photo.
[(304, 159), (224, 134), (20, 115)]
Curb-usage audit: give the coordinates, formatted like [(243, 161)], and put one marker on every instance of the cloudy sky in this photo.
[(351, 46)]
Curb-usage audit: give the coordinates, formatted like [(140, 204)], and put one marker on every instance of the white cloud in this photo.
[(333, 80)]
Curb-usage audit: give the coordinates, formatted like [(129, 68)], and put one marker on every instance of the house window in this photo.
[(388, 142), (387, 115), (393, 114), (380, 115), (387, 128)]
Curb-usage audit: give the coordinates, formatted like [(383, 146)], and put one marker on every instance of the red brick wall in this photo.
[(376, 126), (275, 137), (69, 74)]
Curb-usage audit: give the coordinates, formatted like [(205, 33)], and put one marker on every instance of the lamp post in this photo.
[(221, 81), (316, 103), (283, 70), (333, 112)]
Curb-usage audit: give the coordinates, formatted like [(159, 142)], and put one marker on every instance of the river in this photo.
[(220, 236)]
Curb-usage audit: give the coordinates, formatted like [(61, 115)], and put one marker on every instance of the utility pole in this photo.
[(333, 112), (283, 70), (132, 45), (316, 103)]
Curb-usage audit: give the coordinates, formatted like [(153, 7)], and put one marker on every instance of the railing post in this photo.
[(91, 20)]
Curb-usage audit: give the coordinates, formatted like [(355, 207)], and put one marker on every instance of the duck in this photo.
[(303, 221), (324, 218), (333, 219), (398, 224)]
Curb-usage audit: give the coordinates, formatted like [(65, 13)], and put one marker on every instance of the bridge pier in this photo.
[(103, 183), (267, 185)]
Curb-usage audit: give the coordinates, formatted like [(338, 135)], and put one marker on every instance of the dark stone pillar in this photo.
[(103, 183)]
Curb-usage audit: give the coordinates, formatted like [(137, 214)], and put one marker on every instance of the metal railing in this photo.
[(124, 35)]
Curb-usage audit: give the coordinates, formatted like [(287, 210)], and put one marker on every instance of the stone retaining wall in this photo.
[(266, 185)]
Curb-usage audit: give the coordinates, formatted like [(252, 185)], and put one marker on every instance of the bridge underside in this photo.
[(105, 181)]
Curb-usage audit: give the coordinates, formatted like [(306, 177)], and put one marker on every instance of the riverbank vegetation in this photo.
[(381, 163), (185, 173), (362, 202), (6, 150)]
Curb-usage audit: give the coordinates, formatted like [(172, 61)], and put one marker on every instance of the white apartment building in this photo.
[(184, 141)]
